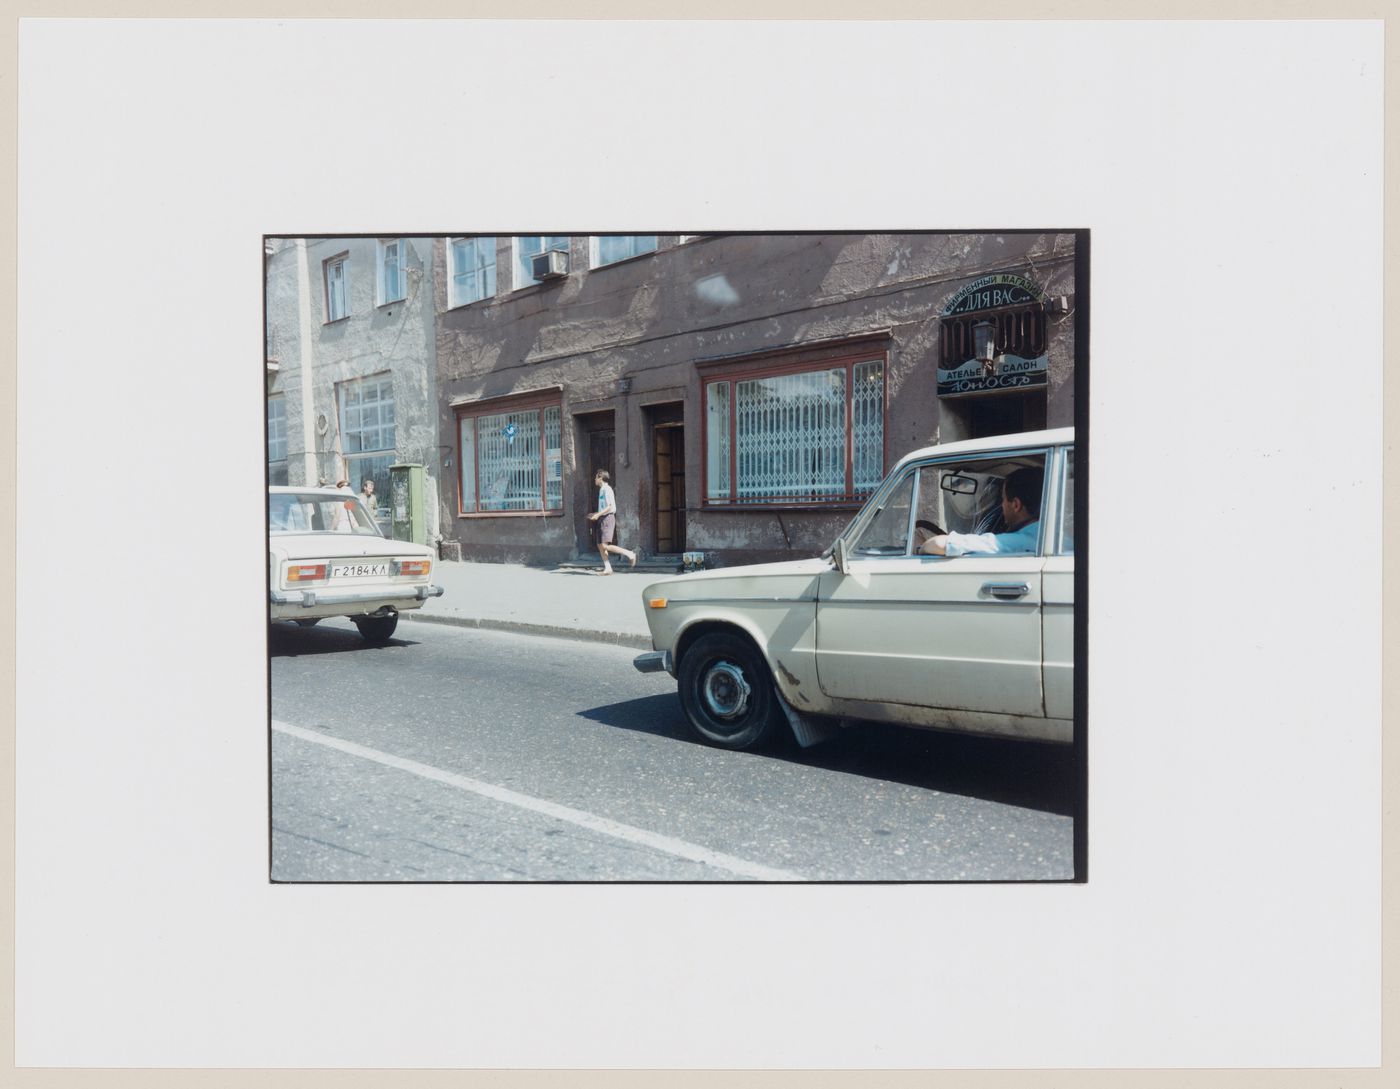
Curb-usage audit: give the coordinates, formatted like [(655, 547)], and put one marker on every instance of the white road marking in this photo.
[(670, 845)]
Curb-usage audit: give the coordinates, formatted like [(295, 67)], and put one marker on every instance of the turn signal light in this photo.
[(306, 572), (415, 567), (656, 603)]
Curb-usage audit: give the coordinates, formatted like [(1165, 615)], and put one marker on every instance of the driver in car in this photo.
[(1020, 508)]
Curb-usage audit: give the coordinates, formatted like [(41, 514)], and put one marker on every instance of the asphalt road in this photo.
[(466, 755)]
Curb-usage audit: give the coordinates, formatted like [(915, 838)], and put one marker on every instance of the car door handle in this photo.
[(1006, 589)]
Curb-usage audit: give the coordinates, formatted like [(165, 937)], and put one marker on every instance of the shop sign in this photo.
[(994, 291), (1010, 372)]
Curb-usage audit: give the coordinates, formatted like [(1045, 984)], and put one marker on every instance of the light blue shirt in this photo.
[(1021, 540)]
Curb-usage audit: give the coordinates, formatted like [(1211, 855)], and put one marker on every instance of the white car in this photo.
[(977, 640), (326, 557)]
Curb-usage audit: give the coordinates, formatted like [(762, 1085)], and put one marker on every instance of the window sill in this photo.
[(477, 515), (769, 508), (389, 302), (472, 302), (336, 321)]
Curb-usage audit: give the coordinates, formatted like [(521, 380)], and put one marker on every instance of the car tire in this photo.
[(726, 691), (377, 629), (311, 623)]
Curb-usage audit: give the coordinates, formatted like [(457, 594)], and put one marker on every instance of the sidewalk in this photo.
[(565, 602)]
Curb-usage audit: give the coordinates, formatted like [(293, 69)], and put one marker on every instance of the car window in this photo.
[(887, 532), (1066, 547), (965, 498), (293, 512), (961, 499)]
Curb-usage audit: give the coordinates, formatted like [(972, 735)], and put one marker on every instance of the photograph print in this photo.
[(677, 557)]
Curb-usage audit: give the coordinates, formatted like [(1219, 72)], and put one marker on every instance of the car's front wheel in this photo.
[(727, 692), (376, 629)]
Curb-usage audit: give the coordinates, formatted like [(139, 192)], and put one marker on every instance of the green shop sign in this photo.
[(1009, 372)]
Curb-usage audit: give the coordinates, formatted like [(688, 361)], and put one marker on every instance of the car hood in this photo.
[(299, 546), (759, 579)]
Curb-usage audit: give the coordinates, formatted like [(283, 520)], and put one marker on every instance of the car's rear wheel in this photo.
[(727, 692), (376, 629)]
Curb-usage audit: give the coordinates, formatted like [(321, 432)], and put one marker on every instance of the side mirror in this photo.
[(838, 552)]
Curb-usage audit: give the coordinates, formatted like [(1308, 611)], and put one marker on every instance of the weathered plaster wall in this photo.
[(397, 338), (654, 318)]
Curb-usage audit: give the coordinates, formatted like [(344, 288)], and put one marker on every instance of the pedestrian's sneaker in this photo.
[(607, 569)]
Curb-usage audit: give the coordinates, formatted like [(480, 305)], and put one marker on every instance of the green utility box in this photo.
[(407, 518)]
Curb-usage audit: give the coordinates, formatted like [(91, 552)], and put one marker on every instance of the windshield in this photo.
[(312, 512)]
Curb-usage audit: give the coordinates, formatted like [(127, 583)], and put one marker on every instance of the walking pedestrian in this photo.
[(606, 518)]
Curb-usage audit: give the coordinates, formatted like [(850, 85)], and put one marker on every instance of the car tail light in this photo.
[(306, 572), (415, 567)]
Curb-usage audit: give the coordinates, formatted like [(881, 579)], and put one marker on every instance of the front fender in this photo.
[(692, 627), (783, 632)]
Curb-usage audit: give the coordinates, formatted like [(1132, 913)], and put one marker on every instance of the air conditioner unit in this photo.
[(549, 265)]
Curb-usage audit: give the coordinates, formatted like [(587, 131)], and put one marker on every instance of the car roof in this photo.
[(282, 489), (1058, 436)]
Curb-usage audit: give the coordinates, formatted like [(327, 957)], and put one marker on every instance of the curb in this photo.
[(641, 642)]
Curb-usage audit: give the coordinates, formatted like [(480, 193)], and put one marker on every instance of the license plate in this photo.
[(358, 570)]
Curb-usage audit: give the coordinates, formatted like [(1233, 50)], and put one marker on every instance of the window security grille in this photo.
[(788, 436), (791, 436), (511, 461)]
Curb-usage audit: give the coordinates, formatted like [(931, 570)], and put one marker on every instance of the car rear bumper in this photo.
[(410, 597)]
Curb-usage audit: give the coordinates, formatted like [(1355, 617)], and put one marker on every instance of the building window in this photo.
[(277, 440), (473, 263), (334, 270), (510, 458), (529, 246), (389, 281), (367, 431), (610, 248), (810, 435)]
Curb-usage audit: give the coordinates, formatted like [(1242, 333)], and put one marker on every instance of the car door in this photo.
[(958, 632), (1058, 594)]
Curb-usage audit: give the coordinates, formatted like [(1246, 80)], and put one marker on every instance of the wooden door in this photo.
[(669, 460), (600, 455), (665, 501)]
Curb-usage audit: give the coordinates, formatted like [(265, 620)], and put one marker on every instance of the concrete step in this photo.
[(660, 565)]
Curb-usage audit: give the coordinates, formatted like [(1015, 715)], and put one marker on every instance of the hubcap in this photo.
[(724, 690)]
